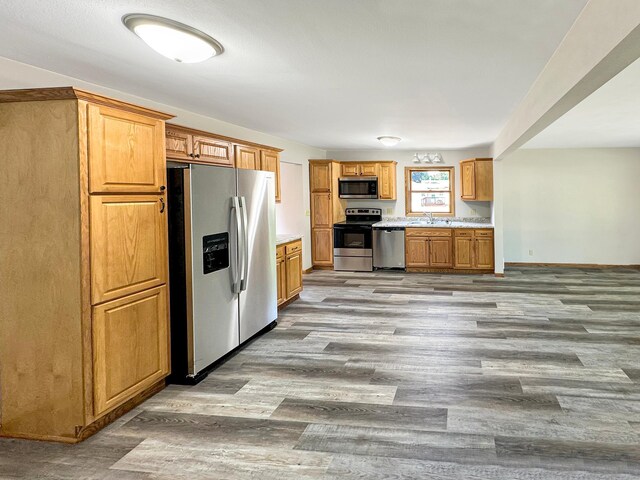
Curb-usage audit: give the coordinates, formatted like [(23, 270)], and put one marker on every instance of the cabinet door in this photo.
[(130, 347), (349, 169), (321, 210), (463, 252), (417, 252), (440, 252), (247, 158), (369, 169), (468, 180), (322, 246), (126, 152), (387, 181), (270, 161), (320, 177), (294, 274), (128, 245), (484, 253), (282, 279), (211, 150), (178, 144)]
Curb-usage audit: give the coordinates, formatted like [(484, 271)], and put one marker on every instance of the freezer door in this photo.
[(259, 297), (215, 305)]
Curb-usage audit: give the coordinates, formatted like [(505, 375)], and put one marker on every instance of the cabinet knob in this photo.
[(162, 188), (197, 155), (191, 155)]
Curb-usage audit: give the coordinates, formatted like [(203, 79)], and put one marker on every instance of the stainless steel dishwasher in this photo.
[(388, 247)]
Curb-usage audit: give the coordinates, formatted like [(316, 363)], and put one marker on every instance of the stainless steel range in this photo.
[(353, 240)]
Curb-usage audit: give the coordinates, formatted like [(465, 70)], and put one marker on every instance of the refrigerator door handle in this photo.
[(235, 270), (245, 245)]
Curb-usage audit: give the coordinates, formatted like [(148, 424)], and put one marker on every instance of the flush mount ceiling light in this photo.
[(389, 141), (172, 39), (427, 158)]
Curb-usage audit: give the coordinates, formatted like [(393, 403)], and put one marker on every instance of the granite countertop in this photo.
[(419, 222), (286, 238)]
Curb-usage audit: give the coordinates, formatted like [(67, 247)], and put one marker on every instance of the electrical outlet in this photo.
[(530, 253), (389, 211), (474, 212), (307, 213)]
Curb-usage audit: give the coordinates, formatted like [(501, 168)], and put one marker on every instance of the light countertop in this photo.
[(286, 238), (437, 223)]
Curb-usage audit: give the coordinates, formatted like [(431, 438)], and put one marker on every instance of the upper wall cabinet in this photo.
[(476, 179), (270, 162), (247, 157), (195, 146), (125, 151), (352, 169)]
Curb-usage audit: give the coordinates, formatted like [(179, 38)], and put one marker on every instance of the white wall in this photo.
[(404, 159), (572, 206), (19, 75)]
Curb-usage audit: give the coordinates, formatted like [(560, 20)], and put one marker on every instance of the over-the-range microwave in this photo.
[(358, 187)]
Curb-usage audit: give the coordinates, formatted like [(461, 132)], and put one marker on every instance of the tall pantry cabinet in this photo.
[(83, 297)]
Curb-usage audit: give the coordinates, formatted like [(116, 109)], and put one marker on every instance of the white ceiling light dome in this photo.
[(388, 141), (172, 39)]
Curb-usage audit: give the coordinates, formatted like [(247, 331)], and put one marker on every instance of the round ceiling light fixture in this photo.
[(172, 39), (389, 141)]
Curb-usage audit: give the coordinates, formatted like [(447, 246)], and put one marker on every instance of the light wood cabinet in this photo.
[(476, 179), (289, 267), (321, 216), (320, 178), (322, 247), (128, 245), (326, 209), (270, 162), (354, 169), (247, 157), (387, 180), (213, 151), (188, 145), (84, 311), (130, 347), (428, 248), (178, 144), (474, 249), (281, 274), (126, 151)]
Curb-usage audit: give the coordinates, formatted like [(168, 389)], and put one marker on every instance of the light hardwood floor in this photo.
[(398, 376)]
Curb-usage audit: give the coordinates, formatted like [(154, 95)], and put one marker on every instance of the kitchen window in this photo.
[(429, 190)]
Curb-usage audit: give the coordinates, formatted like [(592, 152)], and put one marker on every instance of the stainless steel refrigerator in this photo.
[(222, 263)]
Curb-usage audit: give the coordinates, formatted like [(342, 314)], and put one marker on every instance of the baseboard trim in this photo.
[(462, 271), (499, 275), (307, 271), (568, 265)]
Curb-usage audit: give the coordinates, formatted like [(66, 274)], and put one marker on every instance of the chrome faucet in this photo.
[(430, 215)]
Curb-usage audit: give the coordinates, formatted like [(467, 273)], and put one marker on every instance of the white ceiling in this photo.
[(608, 118), (329, 73)]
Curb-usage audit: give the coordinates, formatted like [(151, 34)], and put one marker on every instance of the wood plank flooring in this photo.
[(398, 376)]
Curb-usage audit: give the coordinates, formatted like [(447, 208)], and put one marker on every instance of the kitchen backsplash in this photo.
[(441, 219)]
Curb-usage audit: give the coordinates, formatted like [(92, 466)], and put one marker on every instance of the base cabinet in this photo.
[(130, 347), (446, 249), (428, 248), (289, 269), (474, 249)]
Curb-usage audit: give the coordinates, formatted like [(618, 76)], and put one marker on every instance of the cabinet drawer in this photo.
[(280, 251), (484, 233), (428, 232), (293, 247), (463, 233)]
